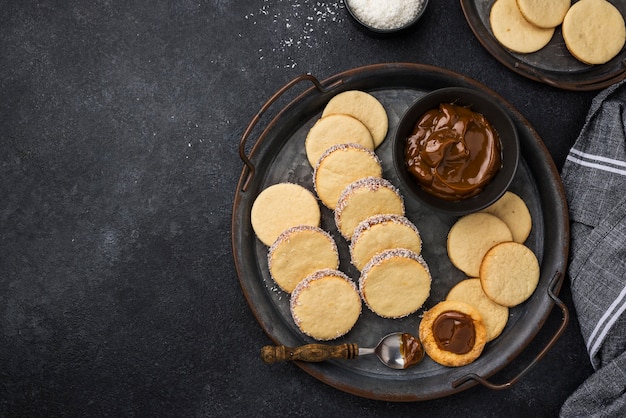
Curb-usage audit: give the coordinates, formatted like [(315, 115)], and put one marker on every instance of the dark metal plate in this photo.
[(553, 64), (278, 155)]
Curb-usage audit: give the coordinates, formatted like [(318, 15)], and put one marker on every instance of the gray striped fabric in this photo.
[(594, 177)]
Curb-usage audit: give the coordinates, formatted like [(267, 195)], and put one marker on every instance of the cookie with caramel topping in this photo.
[(453, 333)]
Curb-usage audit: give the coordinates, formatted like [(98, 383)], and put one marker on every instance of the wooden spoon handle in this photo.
[(310, 352)]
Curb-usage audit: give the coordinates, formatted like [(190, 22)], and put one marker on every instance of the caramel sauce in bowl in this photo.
[(456, 149)]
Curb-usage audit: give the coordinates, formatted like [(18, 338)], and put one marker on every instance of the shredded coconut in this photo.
[(299, 27), (385, 14)]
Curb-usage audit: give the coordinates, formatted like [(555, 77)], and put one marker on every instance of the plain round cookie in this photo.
[(299, 252), (332, 130), (494, 316), (296, 205), (513, 211), (471, 237), (513, 31), (325, 305), (365, 108), (509, 273), (542, 13), (341, 165), (382, 232), (594, 31), (440, 354), (364, 198), (395, 283)]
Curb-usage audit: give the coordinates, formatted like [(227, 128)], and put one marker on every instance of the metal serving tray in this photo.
[(278, 155)]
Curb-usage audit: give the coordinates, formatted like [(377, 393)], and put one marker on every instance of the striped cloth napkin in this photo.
[(594, 177)]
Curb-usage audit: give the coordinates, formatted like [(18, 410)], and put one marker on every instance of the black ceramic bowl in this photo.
[(371, 28), (478, 102)]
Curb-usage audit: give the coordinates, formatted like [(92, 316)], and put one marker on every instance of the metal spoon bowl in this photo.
[(397, 350)]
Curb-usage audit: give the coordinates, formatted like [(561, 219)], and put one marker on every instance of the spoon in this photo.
[(397, 350)]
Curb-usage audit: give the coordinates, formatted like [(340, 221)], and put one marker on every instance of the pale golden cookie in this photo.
[(341, 165), (511, 209), (471, 237), (542, 13), (513, 31), (594, 31), (325, 305), (395, 283), (295, 204), (332, 130), (299, 252), (365, 108), (494, 316), (509, 273), (382, 232), (364, 198), (453, 333)]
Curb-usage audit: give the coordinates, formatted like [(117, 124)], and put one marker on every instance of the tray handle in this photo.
[(242, 142), (556, 281)]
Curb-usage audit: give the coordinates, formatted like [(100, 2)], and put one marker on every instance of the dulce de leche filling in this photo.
[(411, 350), (454, 332), (453, 152)]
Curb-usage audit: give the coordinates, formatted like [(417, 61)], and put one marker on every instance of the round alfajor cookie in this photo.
[(494, 316), (365, 108), (325, 305), (395, 283), (299, 252), (594, 31), (364, 198), (509, 273), (295, 204), (341, 165), (513, 31), (471, 237), (382, 232), (332, 130), (453, 333), (542, 13), (511, 209)]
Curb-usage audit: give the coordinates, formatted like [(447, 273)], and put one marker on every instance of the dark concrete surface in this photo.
[(119, 128)]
